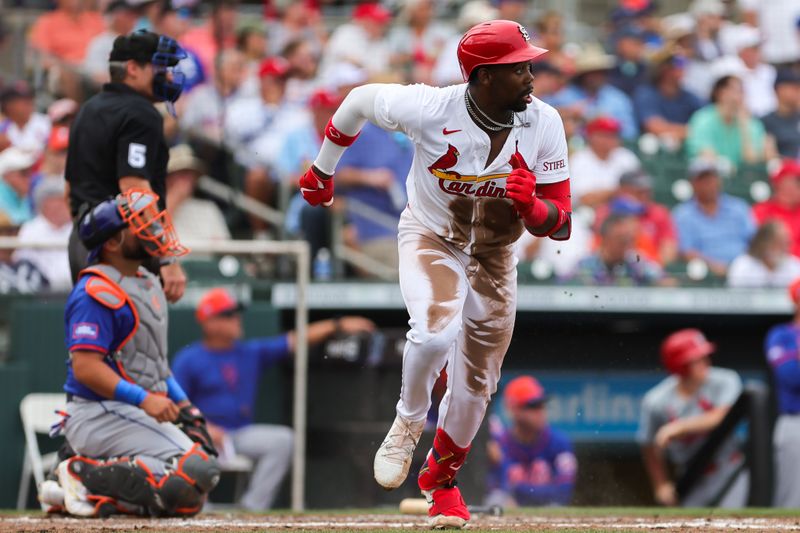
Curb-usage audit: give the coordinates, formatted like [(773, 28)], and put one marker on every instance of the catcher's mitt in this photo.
[(192, 422)]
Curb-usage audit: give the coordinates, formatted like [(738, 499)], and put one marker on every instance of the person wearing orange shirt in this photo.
[(64, 34)]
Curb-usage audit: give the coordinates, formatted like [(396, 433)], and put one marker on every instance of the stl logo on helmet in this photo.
[(524, 32)]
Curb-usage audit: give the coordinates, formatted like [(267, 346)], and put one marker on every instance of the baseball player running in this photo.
[(121, 397), (676, 417), (490, 161), (783, 355)]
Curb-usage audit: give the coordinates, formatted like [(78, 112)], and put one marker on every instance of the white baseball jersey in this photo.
[(451, 191)]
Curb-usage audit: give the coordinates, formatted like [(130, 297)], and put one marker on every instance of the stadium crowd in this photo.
[(683, 128)]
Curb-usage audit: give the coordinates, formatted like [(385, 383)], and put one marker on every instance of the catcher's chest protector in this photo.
[(142, 358)]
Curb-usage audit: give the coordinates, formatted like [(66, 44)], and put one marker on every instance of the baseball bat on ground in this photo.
[(418, 506)]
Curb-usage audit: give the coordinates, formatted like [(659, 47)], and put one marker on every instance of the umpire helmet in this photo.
[(683, 347), (497, 42), (138, 210)]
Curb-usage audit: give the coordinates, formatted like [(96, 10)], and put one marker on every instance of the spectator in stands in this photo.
[(193, 218), (768, 261), (709, 19), (725, 128), (744, 61), (15, 171), (299, 21), (590, 94), (447, 70), (548, 80), (221, 372), (251, 41), (595, 170), (303, 64), (663, 106), (549, 34), (777, 20), (64, 34), (53, 162), (531, 463), (361, 42), (616, 262), (630, 71), (52, 224), (203, 110), (418, 40), (679, 31), (784, 205), (712, 226), (22, 126), (218, 33), (373, 172), (678, 414), (62, 112), (782, 350), (120, 19), (656, 239), (512, 10), (20, 277), (783, 124), (641, 14)]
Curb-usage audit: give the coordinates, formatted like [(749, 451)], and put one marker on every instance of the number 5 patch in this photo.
[(137, 155)]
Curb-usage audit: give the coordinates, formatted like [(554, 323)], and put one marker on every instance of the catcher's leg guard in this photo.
[(179, 492)]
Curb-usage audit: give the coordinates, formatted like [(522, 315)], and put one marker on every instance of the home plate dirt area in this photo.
[(556, 520)]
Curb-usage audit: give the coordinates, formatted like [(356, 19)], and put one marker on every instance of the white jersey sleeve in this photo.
[(725, 386), (552, 164), (401, 108), (648, 420)]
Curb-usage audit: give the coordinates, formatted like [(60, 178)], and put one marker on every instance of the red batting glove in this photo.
[(315, 189), (521, 189)]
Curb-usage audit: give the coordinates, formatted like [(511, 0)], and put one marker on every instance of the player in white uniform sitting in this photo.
[(490, 161), (676, 417)]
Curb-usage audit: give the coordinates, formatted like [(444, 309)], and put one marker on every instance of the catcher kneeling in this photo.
[(142, 447)]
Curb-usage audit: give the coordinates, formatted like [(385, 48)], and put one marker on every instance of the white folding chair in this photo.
[(38, 413)]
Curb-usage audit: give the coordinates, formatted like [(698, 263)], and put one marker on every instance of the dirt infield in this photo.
[(214, 522)]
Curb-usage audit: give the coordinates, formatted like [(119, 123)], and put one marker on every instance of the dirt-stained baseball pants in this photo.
[(462, 310)]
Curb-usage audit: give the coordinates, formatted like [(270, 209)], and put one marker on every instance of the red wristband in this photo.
[(337, 137)]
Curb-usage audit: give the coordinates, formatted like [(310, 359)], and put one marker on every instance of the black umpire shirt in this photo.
[(117, 133)]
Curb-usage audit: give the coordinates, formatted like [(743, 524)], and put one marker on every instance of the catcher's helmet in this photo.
[(497, 42), (683, 347), (138, 210)]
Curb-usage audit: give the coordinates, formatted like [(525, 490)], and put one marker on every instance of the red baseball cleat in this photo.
[(446, 508)]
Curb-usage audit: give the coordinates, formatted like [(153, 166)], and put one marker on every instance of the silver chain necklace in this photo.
[(495, 126)]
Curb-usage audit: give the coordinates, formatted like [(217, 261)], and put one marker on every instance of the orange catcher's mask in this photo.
[(151, 225)]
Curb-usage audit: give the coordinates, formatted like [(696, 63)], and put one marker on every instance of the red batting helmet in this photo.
[(497, 42), (683, 347)]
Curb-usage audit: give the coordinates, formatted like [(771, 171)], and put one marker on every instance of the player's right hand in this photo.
[(160, 407), (665, 494), (315, 188)]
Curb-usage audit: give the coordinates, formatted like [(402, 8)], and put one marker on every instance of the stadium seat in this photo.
[(38, 412)]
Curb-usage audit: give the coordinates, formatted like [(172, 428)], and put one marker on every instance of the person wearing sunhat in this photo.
[(782, 349), (221, 374), (676, 417), (590, 94), (784, 204), (15, 183), (532, 463)]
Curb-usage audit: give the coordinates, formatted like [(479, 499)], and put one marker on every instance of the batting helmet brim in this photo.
[(517, 56)]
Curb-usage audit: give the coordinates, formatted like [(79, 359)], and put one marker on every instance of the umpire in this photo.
[(117, 140)]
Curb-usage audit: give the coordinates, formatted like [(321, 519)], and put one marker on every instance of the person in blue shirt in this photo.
[(531, 462), (221, 373), (141, 444), (712, 226), (782, 347)]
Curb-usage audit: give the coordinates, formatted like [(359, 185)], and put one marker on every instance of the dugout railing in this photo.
[(300, 251), (753, 407)]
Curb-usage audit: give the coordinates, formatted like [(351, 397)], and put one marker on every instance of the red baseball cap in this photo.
[(323, 98), (603, 124), (789, 168), (59, 138), (273, 66), (524, 391), (216, 302), (374, 12), (794, 291)]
